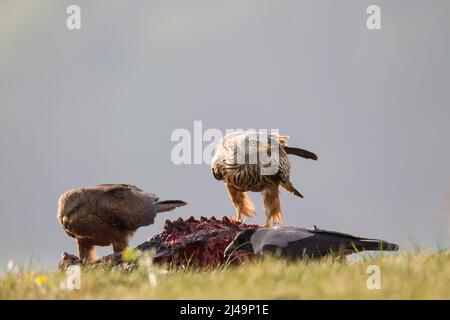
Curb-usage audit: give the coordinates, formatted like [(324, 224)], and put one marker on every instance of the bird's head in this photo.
[(241, 242), (251, 144), (70, 203)]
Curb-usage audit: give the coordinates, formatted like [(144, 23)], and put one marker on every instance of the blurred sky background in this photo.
[(99, 105)]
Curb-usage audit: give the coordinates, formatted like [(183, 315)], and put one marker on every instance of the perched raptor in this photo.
[(294, 242), (106, 214), (258, 162)]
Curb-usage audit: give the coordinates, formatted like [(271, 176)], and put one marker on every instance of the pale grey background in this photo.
[(99, 105)]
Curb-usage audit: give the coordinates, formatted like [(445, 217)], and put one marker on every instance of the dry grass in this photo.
[(403, 276)]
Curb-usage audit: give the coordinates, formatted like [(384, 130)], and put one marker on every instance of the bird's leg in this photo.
[(267, 224), (272, 205), (238, 215), (242, 203), (86, 250)]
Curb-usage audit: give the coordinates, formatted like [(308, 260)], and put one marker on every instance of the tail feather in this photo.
[(301, 153), (168, 205), (347, 244), (290, 188), (374, 245)]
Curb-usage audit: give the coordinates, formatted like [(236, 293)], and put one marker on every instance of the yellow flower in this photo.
[(128, 255), (40, 280)]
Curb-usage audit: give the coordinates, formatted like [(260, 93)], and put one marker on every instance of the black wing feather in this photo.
[(301, 153)]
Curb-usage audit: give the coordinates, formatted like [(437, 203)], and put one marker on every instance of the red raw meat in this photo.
[(198, 243)]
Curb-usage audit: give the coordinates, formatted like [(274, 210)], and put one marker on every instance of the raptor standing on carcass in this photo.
[(257, 162)]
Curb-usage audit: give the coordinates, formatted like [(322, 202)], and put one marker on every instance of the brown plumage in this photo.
[(106, 214), (252, 161)]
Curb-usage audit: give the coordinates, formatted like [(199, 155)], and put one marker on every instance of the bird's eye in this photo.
[(74, 210), (253, 142)]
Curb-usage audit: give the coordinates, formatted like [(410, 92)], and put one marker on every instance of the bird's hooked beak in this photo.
[(232, 247), (65, 221)]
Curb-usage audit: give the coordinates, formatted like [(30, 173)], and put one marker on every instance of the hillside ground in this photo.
[(402, 276)]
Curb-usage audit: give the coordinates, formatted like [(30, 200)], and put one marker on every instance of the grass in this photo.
[(403, 276)]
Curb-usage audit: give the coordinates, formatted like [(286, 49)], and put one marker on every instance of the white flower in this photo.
[(11, 267), (152, 279)]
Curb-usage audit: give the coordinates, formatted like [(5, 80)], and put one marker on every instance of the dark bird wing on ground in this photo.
[(297, 242)]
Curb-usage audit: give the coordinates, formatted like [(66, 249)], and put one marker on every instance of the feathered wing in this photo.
[(323, 242), (288, 186), (124, 206), (296, 242), (346, 243), (285, 164), (301, 153)]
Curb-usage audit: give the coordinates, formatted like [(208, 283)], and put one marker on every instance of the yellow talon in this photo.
[(267, 224)]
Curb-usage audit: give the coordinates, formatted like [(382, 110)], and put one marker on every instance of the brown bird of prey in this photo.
[(106, 214), (258, 162)]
